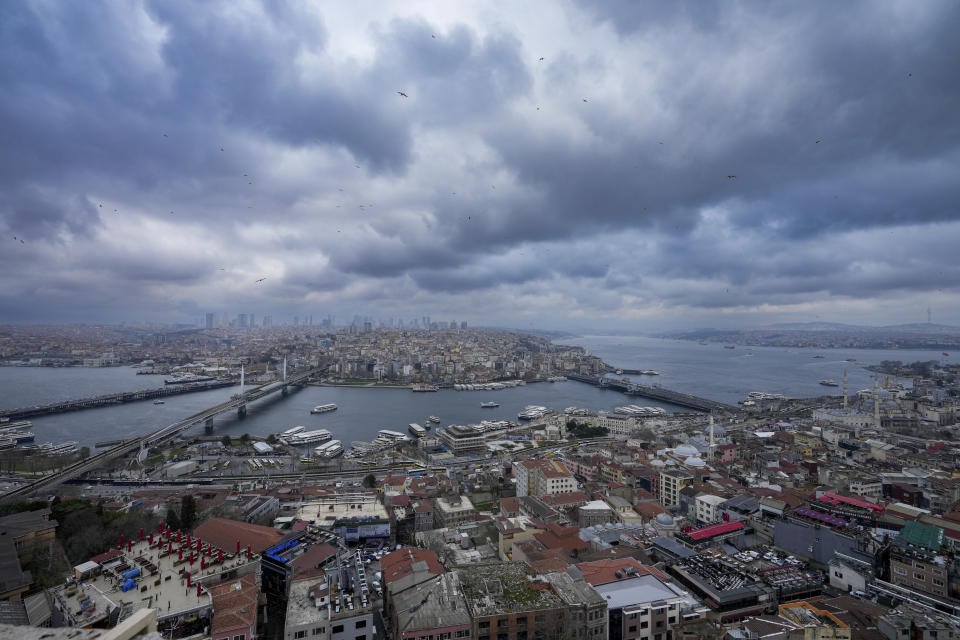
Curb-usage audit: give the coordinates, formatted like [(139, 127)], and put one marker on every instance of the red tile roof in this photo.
[(604, 571), (235, 603), (400, 563), (224, 533)]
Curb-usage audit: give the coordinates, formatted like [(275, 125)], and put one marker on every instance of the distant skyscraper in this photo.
[(267, 321), (463, 324), (367, 327), (224, 322), (253, 321), (210, 319), (243, 321), (296, 321)]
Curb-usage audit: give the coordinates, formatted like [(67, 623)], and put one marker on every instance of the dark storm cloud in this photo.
[(598, 176)]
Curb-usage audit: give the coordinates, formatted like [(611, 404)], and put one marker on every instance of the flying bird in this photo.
[(221, 148), (260, 280), (658, 142), (403, 94), (731, 177), (165, 136), (357, 166), (21, 242), (909, 75), (101, 205), (817, 142), (584, 99), (246, 175), (541, 59), (432, 35)]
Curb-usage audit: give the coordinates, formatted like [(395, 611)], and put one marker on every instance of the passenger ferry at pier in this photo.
[(329, 449), (532, 412), (635, 411), (307, 437), (416, 430), (434, 419), (829, 383), (323, 408), (424, 388), (488, 405), (187, 378), (388, 434)]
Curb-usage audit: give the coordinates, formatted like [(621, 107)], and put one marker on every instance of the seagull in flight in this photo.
[(731, 177), (260, 280), (221, 148), (403, 94), (584, 99), (165, 136), (541, 60)]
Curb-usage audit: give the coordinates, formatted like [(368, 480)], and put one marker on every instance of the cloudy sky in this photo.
[(551, 164)]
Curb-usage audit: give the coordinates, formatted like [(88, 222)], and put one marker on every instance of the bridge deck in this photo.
[(656, 393)]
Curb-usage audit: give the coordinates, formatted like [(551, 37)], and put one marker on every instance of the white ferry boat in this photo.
[(489, 405), (329, 449), (416, 430), (532, 412), (434, 419), (291, 431), (323, 408), (308, 437), (392, 435), (640, 412)]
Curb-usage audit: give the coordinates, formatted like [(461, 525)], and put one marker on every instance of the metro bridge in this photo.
[(236, 403)]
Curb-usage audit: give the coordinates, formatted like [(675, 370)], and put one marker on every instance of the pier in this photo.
[(656, 393), (111, 399)]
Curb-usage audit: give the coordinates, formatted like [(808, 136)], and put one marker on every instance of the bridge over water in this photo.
[(236, 403), (656, 393)]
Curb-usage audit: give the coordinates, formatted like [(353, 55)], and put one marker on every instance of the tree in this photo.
[(271, 439), (226, 441), (245, 439), (84, 453), (370, 481), (173, 519), (188, 511)]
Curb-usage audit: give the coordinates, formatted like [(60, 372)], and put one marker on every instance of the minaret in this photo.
[(844, 389), (241, 379), (713, 443), (876, 403), (284, 368)]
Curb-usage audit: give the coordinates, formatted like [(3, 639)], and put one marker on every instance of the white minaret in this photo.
[(241, 379), (876, 403), (284, 368), (844, 389), (713, 442)]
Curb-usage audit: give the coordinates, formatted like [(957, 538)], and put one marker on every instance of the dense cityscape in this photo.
[(829, 517)]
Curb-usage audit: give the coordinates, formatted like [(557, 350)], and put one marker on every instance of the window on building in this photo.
[(360, 624), (300, 634), (463, 633), (503, 636), (919, 576), (632, 628), (672, 619), (242, 636), (443, 636), (900, 571), (484, 624), (337, 629), (659, 624), (644, 624), (937, 583), (318, 631), (503, 623)]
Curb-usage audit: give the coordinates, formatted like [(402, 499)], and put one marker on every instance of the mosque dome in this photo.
[(665, 519), (686, 450), (694, 461)]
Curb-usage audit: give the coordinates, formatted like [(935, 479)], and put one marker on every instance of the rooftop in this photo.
[(437, 603), (503, 588)]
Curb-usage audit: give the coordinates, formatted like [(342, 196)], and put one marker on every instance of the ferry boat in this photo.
[(729, 346), (20, 425), (640, 412), (308, 437), (59, 449), (323, 408), (763, 395), (395, 436), (489, 405), (649, 372), (819, 355), (416, 430), (424, 388), (329, 449), (829, 383), (158, 402), (434, 419), (532, 412), (291, 431), (187, 378)]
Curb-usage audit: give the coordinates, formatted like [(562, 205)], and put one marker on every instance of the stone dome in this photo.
[(694, 461), (686, 450), (665, 519)]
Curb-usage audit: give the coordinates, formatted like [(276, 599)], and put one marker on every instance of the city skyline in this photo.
[(556, 166)]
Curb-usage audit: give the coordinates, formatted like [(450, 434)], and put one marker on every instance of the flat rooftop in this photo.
[(498, 588), (161, 584)]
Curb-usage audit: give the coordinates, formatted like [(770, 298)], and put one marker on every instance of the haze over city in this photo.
[(550, 165)]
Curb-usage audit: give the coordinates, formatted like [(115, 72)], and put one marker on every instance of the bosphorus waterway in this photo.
[(711, 371)]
